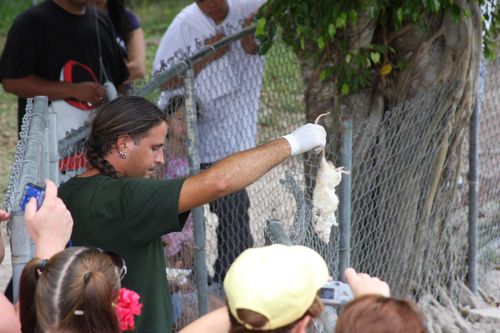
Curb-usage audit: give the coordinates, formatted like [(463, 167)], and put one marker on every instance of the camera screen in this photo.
[(327, 293)]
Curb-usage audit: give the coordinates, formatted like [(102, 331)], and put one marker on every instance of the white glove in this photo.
[(306, 138)]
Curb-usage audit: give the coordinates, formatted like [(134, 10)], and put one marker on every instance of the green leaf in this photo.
[(353, 16), (302, 43), (345, 89), (375, 56), (348, 58), (341, 20), (399, 15), (331, 30), (322, 75), (260, 28), (321, 43), (434, 5)]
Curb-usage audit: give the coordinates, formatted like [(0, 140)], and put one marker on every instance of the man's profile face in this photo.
[(216, 9), (146, 154)]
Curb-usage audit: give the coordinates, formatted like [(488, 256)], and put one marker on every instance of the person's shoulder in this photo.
[(76, 182), (187, 13), (133, 20), (246, 7), (78, 187)]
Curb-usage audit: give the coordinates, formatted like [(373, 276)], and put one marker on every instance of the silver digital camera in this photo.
[(335, 293)]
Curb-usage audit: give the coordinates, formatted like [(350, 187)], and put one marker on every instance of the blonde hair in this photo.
[(73, 290)]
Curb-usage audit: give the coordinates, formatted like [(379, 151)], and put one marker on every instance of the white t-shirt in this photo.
[(227, 89)]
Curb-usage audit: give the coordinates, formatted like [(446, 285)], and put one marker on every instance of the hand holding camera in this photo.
[(335, 293), (49, 226), (364, 284)]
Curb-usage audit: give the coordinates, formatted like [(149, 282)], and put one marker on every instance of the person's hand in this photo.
[(50, 227), (306, 138), (4, 216), (221, 51), (248, 42), (363, 284), (89, 92)]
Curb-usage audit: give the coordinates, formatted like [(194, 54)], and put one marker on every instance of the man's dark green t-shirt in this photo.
[(128, 216)]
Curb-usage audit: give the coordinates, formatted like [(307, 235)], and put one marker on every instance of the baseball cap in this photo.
[(278, 281)]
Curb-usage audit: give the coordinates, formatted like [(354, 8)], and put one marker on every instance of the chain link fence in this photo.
[(488, 226), (409, 196)]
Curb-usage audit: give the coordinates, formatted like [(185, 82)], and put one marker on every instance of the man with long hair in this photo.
[(115, 208)]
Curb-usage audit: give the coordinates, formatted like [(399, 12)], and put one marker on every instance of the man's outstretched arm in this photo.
[(239, 170)]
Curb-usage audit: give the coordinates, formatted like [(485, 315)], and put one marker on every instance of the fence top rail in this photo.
[(181, 66)]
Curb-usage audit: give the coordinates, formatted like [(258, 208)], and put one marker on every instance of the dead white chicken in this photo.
[(325, 201)]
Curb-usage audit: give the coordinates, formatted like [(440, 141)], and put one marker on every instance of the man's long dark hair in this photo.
[(130, 115)]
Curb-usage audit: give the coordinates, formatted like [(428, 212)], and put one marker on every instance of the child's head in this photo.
[(376, 313), (275, 288), (74, 290), (176, 118)]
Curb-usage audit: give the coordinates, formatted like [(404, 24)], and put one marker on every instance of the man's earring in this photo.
[(122, 154)]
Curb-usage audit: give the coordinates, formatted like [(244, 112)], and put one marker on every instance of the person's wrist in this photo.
[(293, 142), (45, 249)]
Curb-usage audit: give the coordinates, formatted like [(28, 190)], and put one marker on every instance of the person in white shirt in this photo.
[(228, 85)]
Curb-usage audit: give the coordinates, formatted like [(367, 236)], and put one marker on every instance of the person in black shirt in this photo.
[(53, 49)]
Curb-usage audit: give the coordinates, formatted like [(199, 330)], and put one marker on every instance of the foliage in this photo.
[(325, 31), (9, 10)]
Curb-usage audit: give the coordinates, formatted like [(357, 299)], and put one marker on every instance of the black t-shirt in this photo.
[(45, 37)]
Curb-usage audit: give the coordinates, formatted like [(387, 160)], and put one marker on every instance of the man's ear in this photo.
[(123, 141), (302, 324)]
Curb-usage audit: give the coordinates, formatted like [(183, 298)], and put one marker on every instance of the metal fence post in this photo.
[(53, 149), (473, 195), (194, 163), (30, 172), (345, 196)]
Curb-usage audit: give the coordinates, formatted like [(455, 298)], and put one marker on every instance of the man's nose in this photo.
[(159, 158)]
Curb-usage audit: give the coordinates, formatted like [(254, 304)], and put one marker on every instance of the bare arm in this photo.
[(241, 169), (216, 321), (10, 320), (136, 55), (33, 85), (232, 174), (4, 216)]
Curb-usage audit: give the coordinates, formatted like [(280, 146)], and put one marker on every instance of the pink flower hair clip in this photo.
[(126, 307)]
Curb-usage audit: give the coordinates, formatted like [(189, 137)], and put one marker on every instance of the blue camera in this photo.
[(32, 191)]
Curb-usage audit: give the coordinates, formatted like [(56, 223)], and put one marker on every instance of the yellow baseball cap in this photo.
[(278, 281)]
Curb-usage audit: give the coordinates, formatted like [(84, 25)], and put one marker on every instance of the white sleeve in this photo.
[(170, 43), (189, 27)]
